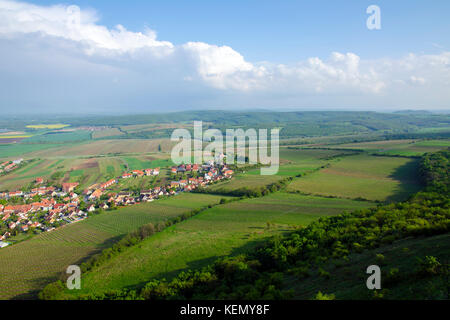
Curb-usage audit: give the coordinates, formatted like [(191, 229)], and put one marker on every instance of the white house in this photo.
[(3, 244)]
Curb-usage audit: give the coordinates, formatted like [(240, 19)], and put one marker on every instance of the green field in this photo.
[(300, 161), (221, 231), (47, 126), (292, 163), (363, 176), (112, 132), (20, 149), (27, 266), (59, 137), (250, 179), (400, 147)]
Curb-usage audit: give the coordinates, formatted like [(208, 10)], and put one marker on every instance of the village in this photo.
[(9, 166), (45, 208)]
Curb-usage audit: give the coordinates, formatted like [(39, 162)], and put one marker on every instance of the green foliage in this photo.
[(435, 171), (323, 296), (429, 266), (52, 291)]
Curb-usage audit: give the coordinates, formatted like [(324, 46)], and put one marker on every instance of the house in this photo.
[(59, 206), (10, 167), (148, 172), (18, 161), (174, 170), (35, 225), (91, 208), (208, 176), (146, 192), (174, 184), (69, 187), (183, 182), (15, 194), (156, 171), (4, 164), (127, 175), (59, 194), (94, 186), (5, 236), (3, 244), (96, 194), (104, 206), (80, 212), (228, 172), (108, 184), (138, 173), (39, 180)]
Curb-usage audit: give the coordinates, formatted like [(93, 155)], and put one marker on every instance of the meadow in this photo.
[(47, 126), (293, 162), (60, 137), (111, 132), (406, 147), (363, 176), (223, 230), (85, 149), (27, 266)]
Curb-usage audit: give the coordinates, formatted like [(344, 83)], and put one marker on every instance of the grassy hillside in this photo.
[(399, 262), (363, 176), (400, 147), (229, 229)]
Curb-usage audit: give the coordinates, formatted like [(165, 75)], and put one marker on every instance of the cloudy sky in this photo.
[(147, 56)]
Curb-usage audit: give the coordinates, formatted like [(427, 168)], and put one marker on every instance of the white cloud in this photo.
[(151, 66), (69, 22)]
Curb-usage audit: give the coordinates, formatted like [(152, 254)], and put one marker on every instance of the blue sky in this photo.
[(286, 31), (223, 54)]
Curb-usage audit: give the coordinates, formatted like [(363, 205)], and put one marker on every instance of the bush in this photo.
[(52, 291), (429, 266), (323, 296)]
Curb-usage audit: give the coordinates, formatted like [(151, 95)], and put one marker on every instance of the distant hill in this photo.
[(292, 124), (413, 112)]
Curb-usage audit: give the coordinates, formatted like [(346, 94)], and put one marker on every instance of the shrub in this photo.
[(323, 296)]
